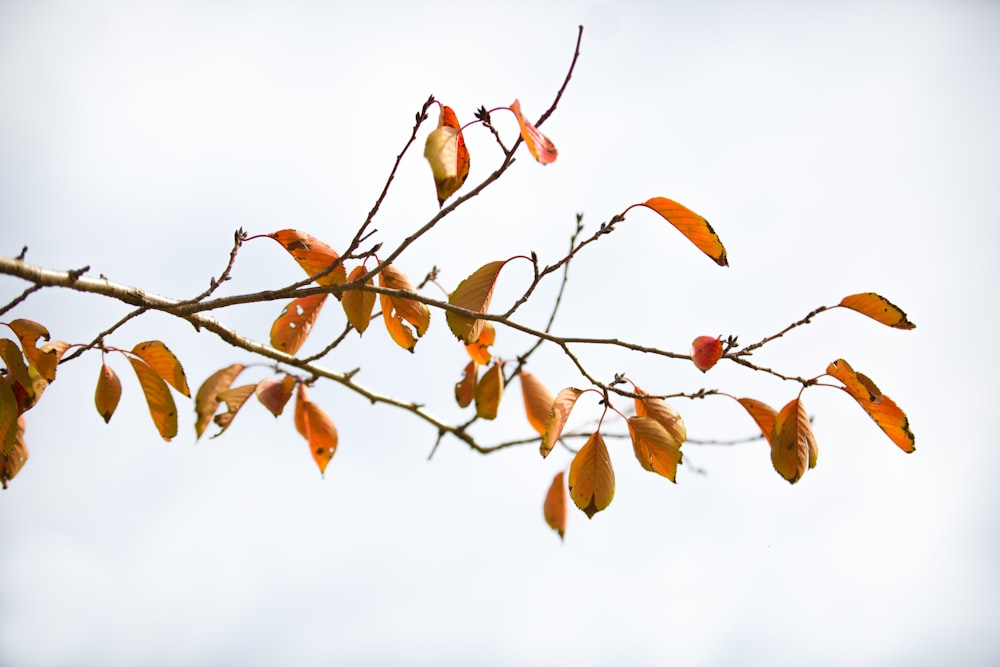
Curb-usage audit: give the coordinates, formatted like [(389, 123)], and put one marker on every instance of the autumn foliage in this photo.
[(361, 286)]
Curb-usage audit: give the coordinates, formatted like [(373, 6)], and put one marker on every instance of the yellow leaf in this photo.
[(489, 391), (397, 310), (163, 361), (762, 413), (161, 404), (274, 393), (107, 393), (479, 350), (793, 446), (660, 411), (591, 478), (206, 401), (11, 462), (890, 418), (313, 255), (538, 144), (446, 152), (290, 330), (465, 389), (473, 293), (537, 401), (879, 309), (656, 449), (556, 507), (556, 421), (694, 227), (234, 398), (358, 304)]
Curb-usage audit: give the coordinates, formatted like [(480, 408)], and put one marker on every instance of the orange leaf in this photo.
[(163, 361), (556, 507), (396, 309), (108, 393), (161, 404), (473, 293), (18, 375), (446, 152), (465, 389), (8, 419), (655, 447), (275, 393), (691, 225), (489, 391), (558, 414), (292, 327), (890, 418), (317, 428), (539, 145), (706, 351), (879, 309), (793, 445), (358, 304), (45, 361), (762, 413), (313, 255), (591, 478), (537, 401), (479, 350), (206, 401), (665, 415), (234, 399), (11, 462)]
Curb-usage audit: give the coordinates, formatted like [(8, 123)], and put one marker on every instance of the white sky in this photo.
[(836, 148)]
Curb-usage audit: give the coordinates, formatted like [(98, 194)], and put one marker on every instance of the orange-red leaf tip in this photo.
[(706, 351)]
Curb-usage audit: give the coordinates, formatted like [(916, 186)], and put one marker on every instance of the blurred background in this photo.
[(835, 147)]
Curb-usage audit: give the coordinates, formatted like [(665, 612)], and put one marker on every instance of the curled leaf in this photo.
[(694, 227), (158, 398), (882, 409), (465, 389), (290, 331), (163, 361), (234, 399), (274, 393), (762, 413), (489, 391), (793, 445), (558, 414), (397, 309), (358, 304), (591, 478), (206, 401), (537, 401), (879, 309), (556, 507), (314, 256), (538, 144), (656, 449), (44, 360), (446, 152), (18, 375), (107, 393), (473, 293)]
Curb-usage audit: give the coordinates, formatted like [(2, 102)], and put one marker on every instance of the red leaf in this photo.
[(274, 393)]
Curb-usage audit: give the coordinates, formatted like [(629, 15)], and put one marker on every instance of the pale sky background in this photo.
[(835, 147)]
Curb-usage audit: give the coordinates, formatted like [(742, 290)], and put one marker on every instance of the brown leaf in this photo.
[(556, 507), (489, 391), (158, 398), (890, 418), (397, 310), (206, 401), (538, 144), (358, 304), (44, 360), (591, 478), (8, 419), (446, 152), (660, 411), (793, 445), (18, 375), (879, 309), (538, 401), (163, 361), (473, 293), (691, 225), (479, 350), (313, 255), (290, 330), (556, 421), (654, 446), (274, 393), (11, 462), (234, 398), (762, 413), (107, 393), (465, 389)]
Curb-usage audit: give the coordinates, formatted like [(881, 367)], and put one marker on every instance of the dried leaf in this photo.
[(274, 393), (313, 255), (17, 374), (691, 225), (479, 350), (163, 361), (107, 393), (539, 145), (879, 309), (11, 462), (489, 391), (538, 401), (890, 418), (762, 413), (591, 478), (45, 360), (317, 428), (358, 304), (473, 293), (206, 401), (655, 447), (446, 152), (290, 330), (465, 389), (234, 399), (556, 421), (8, 419), (556, 507), (793, 445), (665, 415), (158, 398), (396, 310)]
